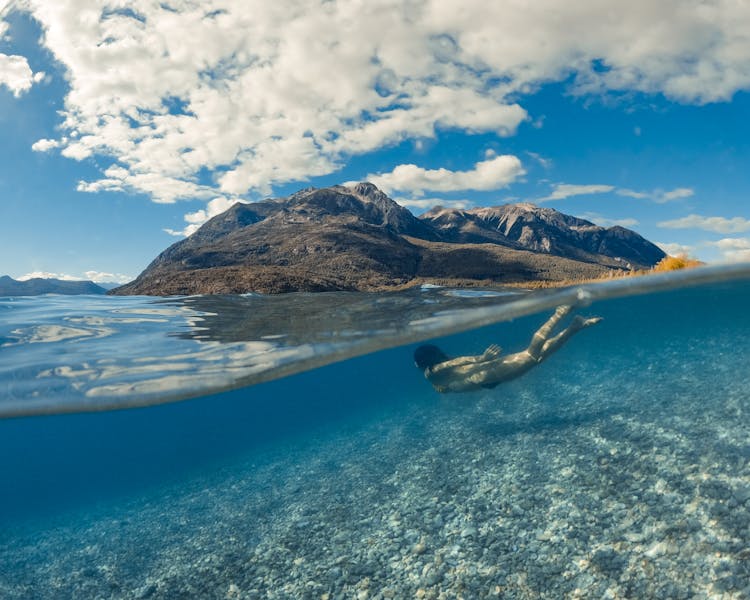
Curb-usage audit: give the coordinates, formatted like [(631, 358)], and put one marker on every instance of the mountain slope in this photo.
[(545, 230), (356, 238), (38, 286)]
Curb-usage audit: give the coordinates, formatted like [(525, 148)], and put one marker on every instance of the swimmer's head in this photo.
[(428, 355)]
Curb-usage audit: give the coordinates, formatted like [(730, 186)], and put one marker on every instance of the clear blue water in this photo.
[(618, 468)]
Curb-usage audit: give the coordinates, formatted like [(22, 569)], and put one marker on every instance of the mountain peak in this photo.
[(362, 201), (526, 206), (365, 189)]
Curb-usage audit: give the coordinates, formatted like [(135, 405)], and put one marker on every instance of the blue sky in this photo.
[(125, 125)]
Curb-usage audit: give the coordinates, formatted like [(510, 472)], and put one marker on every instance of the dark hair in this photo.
[(428, 356)]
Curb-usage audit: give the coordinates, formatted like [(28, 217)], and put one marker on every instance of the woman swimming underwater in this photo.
[(467, 373)]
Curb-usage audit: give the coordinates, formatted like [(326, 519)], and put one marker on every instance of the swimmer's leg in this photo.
[(553, 344), (543, 333)]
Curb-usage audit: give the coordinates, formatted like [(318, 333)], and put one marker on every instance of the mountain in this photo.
[(38, 286), (357, 238), (529, 227), (108, 285)]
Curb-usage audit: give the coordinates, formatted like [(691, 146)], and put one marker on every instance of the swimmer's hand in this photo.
[(492, 352), (580, 322)]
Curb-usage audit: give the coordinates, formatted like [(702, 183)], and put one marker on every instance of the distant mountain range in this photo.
[(357, 238), (38, 286)]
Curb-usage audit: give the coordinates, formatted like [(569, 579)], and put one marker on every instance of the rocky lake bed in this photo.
[(604, 488)]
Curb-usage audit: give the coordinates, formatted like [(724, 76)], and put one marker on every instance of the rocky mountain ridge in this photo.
[(38, 286), (357, 238), (529, 227)]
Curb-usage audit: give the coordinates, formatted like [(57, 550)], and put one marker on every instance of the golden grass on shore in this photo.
[(668, 263), (675, 263)]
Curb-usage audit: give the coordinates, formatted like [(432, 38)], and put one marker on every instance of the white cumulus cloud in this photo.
[(733, 249), (104, 277), (659, 196), (676, 194), (162, 189), (491, 174), (247, 94), (632, 193), (16, 75), (714, 224), (560, 191), (732, 243), (44, 145), (95, 276), (675, 248), (48, 275), (423, 204)]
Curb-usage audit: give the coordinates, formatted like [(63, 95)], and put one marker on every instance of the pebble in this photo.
[(146, 591), (742, 493), (418, 548)]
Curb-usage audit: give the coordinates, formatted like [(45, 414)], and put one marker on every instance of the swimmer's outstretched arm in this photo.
[(491, 353)]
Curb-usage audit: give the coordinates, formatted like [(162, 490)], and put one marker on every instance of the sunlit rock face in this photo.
[(526, 226)]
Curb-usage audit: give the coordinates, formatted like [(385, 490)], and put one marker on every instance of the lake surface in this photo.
[(309, 458)]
